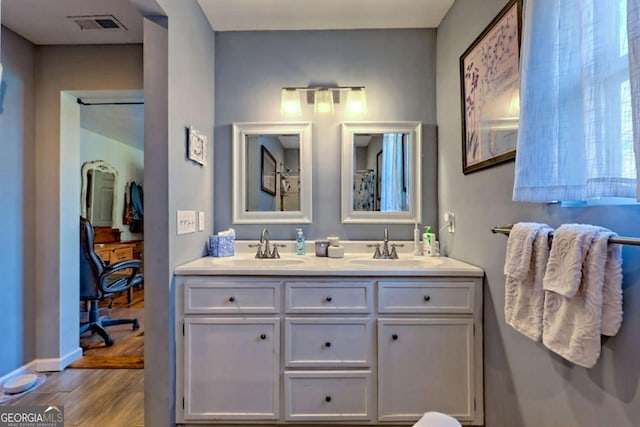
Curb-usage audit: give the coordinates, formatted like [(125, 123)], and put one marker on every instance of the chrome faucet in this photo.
[(385, 254), (385, 244), (267, 252)]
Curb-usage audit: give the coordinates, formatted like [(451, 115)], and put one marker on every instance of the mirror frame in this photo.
[(349, 215), (240, 214), (102, 166)]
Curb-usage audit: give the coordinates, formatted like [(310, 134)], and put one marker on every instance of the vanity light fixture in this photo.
[(323, 98)]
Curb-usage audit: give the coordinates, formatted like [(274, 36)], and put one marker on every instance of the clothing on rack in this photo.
[(136, 222)]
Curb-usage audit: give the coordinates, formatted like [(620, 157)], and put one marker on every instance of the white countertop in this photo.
[(358, 261)]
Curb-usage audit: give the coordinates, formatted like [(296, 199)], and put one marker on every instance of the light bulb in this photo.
[(323, 101), (290, 103), (357, 101)]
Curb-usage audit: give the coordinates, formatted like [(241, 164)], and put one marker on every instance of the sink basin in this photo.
[(422, 262), (257, 262)]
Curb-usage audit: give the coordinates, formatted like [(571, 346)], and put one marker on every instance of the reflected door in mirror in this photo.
[(99, 193), (100, 203)]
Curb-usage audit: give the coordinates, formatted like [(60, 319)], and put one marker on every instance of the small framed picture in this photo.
[(197, 146), (268, 172)]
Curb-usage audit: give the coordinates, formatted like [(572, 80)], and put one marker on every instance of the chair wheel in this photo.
[(109, 341), (136, 325)]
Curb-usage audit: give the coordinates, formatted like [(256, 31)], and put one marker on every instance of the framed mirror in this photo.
[(99, 193), (381, 172), (272, 173)]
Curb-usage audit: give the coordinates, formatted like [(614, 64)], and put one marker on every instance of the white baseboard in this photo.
[(24, 369), (55, 364)]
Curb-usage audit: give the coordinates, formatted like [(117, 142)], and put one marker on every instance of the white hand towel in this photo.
[(525, 263), (568, 252), (519, 246), (572, 325)]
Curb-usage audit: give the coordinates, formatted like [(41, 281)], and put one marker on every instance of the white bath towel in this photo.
[(568, 252), (574, 315), (525, 263)]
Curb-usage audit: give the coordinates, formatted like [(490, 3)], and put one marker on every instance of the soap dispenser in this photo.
[(300, 244)]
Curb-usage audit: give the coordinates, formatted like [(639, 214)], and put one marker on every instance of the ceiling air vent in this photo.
[(98, 22)]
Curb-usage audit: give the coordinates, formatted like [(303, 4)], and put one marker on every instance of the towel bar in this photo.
[(506, 229)]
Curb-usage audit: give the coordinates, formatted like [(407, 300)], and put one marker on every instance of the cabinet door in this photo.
[(231, 368), (425, 365)]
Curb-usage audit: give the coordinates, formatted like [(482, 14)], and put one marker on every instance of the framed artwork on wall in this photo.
[(197, 147), (268, 172), (490, 84)]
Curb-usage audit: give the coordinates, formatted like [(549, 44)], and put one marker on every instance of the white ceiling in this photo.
[(121, 119), (45, 22), (240, 15)]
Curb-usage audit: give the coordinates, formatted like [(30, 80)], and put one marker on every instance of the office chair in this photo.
[(98, 282)]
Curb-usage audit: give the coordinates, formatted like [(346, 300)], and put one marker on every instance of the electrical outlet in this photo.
[(186, 222), (201, 221), (450, 221)]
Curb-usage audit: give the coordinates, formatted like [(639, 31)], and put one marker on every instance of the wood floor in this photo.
[(93, 397), (101, 397), (128, 349)]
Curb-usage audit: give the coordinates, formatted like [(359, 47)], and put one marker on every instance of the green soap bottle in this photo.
[(427, 241)]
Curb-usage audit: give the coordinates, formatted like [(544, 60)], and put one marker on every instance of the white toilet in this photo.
[(437, 419)]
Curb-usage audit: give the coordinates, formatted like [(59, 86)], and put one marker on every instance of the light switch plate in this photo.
[(201, 221), (186, 222)]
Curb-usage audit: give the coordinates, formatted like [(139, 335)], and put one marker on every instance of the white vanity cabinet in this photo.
[(325, 350), (329, 328), (428, 353), (230, 349)]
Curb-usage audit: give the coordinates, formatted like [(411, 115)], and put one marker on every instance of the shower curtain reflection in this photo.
[(394, 191)]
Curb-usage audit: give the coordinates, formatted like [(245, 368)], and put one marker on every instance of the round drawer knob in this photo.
[(394, 337), (327, 398), (232, 299), (329, 299), (427, 298), (263, 336), (327, 344)]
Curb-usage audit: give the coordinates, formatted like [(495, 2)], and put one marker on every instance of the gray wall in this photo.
[(66, 68), (179, 73), (17, 174), (397, 67), (526, 384)]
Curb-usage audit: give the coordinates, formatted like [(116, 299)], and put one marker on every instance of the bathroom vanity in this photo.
[(321, 341)]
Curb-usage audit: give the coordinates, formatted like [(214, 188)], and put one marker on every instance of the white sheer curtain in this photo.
[(393, 198), (633, 24), (575, 140)]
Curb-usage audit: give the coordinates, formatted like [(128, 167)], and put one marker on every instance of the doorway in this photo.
[(107, 128)]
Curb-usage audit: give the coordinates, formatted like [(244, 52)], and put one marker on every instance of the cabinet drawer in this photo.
[(121, 254), (319, 297), (317, 342), (231, 297), (425, 297), (327, 395)]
